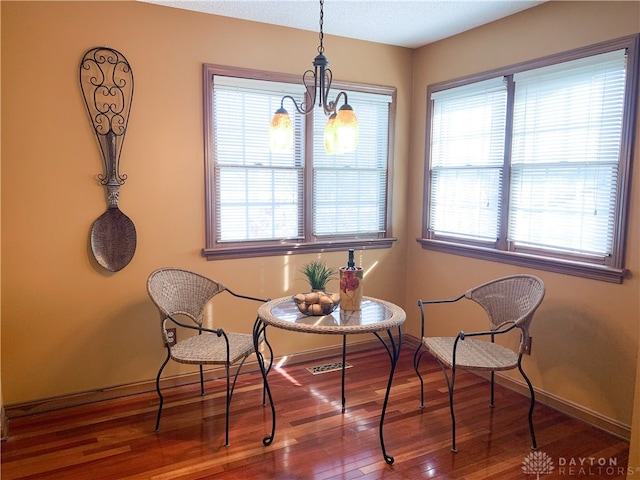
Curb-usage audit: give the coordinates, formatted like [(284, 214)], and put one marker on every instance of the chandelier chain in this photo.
[(341, 133), (321, 34)]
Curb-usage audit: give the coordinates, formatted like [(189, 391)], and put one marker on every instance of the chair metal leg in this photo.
[(158, 390), (492, 403), (230, 389), (534, 445), (450, 382), (201, 381), (226, 417), (417, 356), (453, 416)]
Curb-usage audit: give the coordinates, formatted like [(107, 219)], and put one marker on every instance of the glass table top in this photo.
[(375, 315)]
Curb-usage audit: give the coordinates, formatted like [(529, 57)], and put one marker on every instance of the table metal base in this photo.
[(391, 346)]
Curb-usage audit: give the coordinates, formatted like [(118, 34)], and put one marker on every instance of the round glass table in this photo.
[(376, 316)]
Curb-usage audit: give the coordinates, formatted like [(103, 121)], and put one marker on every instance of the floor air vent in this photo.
[(327, 367)]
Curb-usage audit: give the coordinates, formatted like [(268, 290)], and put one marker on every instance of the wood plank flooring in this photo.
[(314, 439)]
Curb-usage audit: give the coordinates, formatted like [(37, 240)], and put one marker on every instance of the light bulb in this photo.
[(281, 132), (346, 130), (330, 135)]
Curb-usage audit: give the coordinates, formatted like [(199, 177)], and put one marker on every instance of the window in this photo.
[(262, 203), (531, 165)]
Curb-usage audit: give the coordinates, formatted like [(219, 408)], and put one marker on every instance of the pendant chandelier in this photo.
[(341, 132)]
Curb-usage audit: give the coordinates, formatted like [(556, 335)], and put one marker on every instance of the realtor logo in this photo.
[(537, 463)]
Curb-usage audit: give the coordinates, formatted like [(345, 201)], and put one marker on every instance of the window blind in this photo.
[(466, 160), (350, 189), (565, 152), (259, 194)]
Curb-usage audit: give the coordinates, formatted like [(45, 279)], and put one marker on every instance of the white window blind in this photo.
[(262, 196), (565, 155), (259, 195), (350, 189), (467, 157)]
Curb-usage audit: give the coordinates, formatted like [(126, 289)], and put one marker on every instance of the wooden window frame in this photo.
[(615, 270), (214, 250)]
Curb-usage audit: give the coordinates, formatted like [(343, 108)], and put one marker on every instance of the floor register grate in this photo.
[(327, 367)]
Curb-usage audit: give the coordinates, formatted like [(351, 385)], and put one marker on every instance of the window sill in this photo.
[(594, 272), (266, 250)]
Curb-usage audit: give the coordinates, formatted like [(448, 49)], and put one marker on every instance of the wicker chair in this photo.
[(180, 292), (510, 302)]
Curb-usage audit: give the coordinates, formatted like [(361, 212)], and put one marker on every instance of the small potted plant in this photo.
[(318, 274), (318, 301)]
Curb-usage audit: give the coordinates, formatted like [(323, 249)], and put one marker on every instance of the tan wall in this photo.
[(68, 325), (1, 398), (585, 334)]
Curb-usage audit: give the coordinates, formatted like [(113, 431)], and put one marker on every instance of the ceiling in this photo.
[(406, 23)]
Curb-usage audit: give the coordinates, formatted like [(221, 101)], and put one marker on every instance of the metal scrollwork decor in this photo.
[(106, 81)]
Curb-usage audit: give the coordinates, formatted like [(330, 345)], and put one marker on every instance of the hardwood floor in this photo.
[(314, 439)]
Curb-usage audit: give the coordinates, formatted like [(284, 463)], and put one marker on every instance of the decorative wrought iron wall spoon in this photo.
[(106, 80)]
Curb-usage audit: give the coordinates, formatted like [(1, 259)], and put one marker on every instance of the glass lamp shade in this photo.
[(346, 130), (330, 135), (281, 132)]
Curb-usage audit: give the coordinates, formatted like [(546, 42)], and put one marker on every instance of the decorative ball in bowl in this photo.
[(317, 303)]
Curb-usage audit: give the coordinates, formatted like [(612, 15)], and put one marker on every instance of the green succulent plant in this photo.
[(318, 274)]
